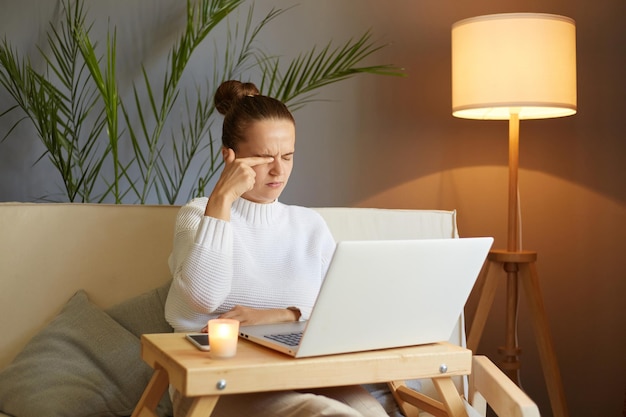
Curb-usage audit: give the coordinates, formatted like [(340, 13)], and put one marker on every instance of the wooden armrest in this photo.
[(489, 385)]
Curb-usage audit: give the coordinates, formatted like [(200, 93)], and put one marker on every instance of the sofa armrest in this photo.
[(489, 385)]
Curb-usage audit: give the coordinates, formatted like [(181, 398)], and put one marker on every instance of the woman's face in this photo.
[(275, 138)]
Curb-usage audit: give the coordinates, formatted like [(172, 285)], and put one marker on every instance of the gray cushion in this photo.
[(85, 363), (82, 364), (144, 313)]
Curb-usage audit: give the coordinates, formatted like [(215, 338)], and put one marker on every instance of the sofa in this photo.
[(81, 282)]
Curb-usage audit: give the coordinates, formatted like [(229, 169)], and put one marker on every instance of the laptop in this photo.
[(381, 294)]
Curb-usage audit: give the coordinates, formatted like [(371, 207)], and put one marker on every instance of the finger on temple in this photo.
[(257, 160)]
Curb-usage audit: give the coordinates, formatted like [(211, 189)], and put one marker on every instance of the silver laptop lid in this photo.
[(388, 293)]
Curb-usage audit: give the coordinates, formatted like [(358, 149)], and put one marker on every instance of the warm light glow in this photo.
[(223, 336), (521, 63)]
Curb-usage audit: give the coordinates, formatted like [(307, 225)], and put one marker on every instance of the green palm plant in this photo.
[(82, 120), (59, 102)]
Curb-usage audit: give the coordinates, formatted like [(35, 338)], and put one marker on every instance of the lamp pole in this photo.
[(513, 232), (520, 268), (510, 350)]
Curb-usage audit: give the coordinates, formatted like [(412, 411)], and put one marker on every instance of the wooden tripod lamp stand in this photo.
[(512, 67)]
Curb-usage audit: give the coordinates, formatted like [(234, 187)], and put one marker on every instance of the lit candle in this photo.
[(223, 335)]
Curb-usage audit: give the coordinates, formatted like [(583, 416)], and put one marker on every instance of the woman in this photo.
[(241, 254)]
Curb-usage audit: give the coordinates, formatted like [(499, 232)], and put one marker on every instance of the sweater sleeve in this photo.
[(202, 258)]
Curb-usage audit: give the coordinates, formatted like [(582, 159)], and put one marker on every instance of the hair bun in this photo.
[(230, 92)]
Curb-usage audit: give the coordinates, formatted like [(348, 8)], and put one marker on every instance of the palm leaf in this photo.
[(308, 72)]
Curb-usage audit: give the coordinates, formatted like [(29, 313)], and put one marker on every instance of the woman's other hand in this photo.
[(249, 316)]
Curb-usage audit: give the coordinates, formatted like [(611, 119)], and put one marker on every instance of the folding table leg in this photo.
[(146, 407), (450, 397)]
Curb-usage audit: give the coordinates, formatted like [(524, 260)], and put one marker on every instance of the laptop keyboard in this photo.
[(290, 339)]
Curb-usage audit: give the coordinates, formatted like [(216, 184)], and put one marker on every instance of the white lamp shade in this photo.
[(522, 63)]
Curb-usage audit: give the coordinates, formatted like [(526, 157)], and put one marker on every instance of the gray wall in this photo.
[(392, 142)]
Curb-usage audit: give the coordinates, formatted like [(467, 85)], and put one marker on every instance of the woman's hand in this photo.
[(237, 178), (248, 316)]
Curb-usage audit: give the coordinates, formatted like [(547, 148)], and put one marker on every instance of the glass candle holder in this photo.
[(223, 336)]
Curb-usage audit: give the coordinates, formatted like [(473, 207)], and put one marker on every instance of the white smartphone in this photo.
[(199, 340)]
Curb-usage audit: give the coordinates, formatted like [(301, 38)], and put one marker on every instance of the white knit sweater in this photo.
[(267, 256)]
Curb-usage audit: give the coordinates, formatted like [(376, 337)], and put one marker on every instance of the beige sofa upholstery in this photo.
[(117, 253), (49, 251)]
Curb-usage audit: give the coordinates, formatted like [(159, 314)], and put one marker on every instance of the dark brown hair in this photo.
[(242, 104)]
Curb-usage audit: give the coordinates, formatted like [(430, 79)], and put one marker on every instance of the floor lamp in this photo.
[(513, 67)]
